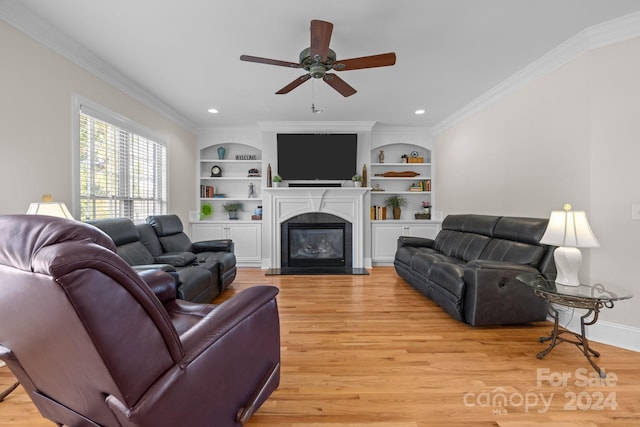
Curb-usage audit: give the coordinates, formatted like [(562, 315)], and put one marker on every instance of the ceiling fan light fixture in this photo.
[(318, 60), (317, 71)]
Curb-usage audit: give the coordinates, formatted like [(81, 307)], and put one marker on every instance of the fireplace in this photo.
[(287, 205), (316, 240)]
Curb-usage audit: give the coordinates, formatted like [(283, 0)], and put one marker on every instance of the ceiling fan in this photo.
[(318, 60)]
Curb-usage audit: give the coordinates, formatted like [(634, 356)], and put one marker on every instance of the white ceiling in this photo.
[(449, 52)]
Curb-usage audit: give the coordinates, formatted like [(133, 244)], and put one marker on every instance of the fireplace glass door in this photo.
[(316, 245)]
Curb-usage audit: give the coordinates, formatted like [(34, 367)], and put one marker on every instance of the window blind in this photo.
[(122, 174)]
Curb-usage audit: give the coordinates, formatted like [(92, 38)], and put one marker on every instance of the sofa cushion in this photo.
[(527, 230), (165, 225), (125, 235), (149, 239), (509, 251), (448, 276), (423, 262), (121, 230), (405, 253), (176, 243), (471, 223), (462, 245), (135, 253)]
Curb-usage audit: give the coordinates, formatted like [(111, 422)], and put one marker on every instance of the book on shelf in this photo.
[(425, 185), (207, 191), (378, 212)]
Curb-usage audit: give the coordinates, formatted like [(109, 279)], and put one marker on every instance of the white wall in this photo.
[(37, 86), (570, 136)]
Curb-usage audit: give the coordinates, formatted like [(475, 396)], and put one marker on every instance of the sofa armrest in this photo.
[(226, 317), (493, 296), (177, 259), (418, 242), (221, 245), (238, 345), (163, 284)]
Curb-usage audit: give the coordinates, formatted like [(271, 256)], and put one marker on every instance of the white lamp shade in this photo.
[(570, 229), (58, 209)]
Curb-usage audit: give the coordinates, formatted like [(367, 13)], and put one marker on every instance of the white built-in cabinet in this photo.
[(400, 157), (385, 236), (246, 236), (241, 169)]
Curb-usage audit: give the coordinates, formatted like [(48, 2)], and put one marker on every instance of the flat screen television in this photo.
[(325, 157)]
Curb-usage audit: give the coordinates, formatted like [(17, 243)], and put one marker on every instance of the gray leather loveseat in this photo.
[(469, 269), (201, 276)]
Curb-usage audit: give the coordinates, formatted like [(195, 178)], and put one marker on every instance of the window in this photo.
[(121, 173)]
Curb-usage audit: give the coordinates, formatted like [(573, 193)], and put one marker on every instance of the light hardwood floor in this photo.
[(370, 351)]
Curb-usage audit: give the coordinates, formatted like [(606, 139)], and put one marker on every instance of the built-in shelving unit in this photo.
[(383, 187), (400, 158), (231, 186), (234, 182)]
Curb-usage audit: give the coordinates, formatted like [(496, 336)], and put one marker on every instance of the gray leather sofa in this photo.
[(169, 230), (198, 278), (469, 269)]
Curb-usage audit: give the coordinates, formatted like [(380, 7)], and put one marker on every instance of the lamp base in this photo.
[(568, 261)]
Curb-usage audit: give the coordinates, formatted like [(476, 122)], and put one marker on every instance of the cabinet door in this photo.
[(247, 239), (201, 232), (384, 241)]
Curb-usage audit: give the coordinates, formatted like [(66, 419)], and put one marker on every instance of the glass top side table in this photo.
[(589, 297)]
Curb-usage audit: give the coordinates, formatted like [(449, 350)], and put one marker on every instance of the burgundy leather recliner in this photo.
[(96, 344)]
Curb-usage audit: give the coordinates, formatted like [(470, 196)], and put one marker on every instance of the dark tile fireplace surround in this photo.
[(316, 243)]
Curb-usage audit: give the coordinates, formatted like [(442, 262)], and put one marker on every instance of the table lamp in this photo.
[(48, 207), (569, 230)]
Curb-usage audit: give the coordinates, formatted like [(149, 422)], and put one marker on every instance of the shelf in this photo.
[(257, 161), (406, 221), (232, 178), (400, 192), (400, 178), (220, 199), (400, 164), (227, 221)]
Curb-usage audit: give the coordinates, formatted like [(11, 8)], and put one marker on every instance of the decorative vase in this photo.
[(381, 156), (221, 152), (396, 213), (276, 184), (357, 183), (364, 175), (233, 214)]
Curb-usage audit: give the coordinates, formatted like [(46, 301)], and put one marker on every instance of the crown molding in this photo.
[(23, 19), (610, 32)]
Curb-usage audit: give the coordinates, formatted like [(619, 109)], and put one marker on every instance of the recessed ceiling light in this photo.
[(421, 111), (212, 111)]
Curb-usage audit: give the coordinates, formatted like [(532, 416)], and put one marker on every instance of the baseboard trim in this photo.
[(615, 334)]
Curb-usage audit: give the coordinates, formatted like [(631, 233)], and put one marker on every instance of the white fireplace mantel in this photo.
[(280, 204)]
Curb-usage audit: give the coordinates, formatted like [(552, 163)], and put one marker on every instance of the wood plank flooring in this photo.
[(371, 351)]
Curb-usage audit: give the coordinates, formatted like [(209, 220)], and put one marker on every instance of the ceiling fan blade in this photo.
[(268, 61), (382, 60), (320, 38), (294, 84), (338, 84)]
